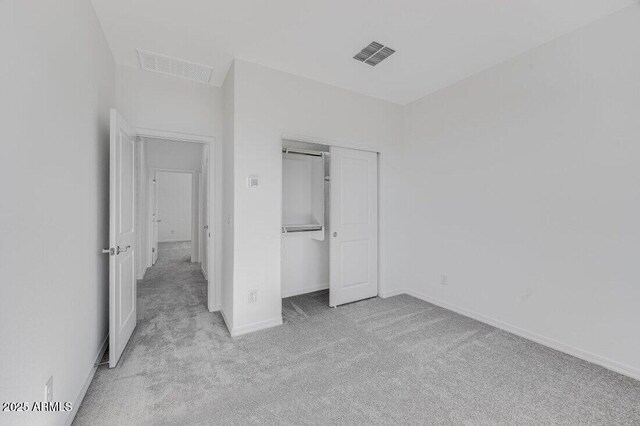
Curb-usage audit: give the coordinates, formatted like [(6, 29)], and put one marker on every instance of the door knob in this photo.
[(206, 227), (335, 234)]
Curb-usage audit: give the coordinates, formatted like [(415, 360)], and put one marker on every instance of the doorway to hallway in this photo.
[(139, 157), (174, 203), (172, 284)]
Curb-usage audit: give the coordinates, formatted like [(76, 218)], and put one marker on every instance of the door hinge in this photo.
[(109, 251)]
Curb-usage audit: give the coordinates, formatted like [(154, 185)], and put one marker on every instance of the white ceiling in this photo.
[(438, 42)]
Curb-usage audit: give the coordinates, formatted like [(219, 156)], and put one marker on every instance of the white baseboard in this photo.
[(607, 363), (391, 293), (304, 290), (177, 240), (215, 308), (256, 326), (87, 382)]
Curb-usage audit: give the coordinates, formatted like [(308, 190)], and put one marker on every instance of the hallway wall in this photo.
[(57, 83), (164, 154)]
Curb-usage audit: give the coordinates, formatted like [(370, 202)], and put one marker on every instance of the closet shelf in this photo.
[(286, 229)]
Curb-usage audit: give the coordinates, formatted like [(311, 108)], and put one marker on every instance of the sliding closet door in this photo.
[(353, 226)]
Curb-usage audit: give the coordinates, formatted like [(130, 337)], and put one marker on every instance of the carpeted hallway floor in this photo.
[(379, 361)]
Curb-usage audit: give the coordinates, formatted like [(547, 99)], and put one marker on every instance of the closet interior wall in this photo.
[(305, 255)]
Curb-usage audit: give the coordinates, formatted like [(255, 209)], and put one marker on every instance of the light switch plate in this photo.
[(252, 181)]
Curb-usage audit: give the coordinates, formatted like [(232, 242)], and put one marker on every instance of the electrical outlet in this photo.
[(253, 296), (48, 390), (444, 280)]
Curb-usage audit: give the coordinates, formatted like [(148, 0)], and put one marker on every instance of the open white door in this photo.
[(354, 226), (122, 237)]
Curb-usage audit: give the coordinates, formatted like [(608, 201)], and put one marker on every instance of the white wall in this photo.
[(165, 154), (305, 264), (228, 204), (174, 206), (157, 101), (56, 86), (268, 103), (522, 187)]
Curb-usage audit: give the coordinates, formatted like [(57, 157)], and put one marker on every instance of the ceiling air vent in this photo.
[(176, 67), (374, 53)]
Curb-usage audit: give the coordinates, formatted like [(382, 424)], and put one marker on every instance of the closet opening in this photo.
[(329, 222)]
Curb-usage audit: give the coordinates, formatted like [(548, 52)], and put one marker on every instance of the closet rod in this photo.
[(304, 152)]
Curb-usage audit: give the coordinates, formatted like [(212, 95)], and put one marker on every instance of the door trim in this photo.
[(195, 207), (173, 136), (214, 251), (292, 136)]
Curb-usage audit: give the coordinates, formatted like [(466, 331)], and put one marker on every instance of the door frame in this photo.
[(195, 206), (214, 252), (381, 215), (151, 246)]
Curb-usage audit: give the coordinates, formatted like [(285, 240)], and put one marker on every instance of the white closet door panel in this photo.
[(354, 226)]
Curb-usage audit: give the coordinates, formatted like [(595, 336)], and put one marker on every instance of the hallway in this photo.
[(172, 273), (169, 350)]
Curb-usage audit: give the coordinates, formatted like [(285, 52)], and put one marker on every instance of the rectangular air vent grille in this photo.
[(176, 67), (374, 53)]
